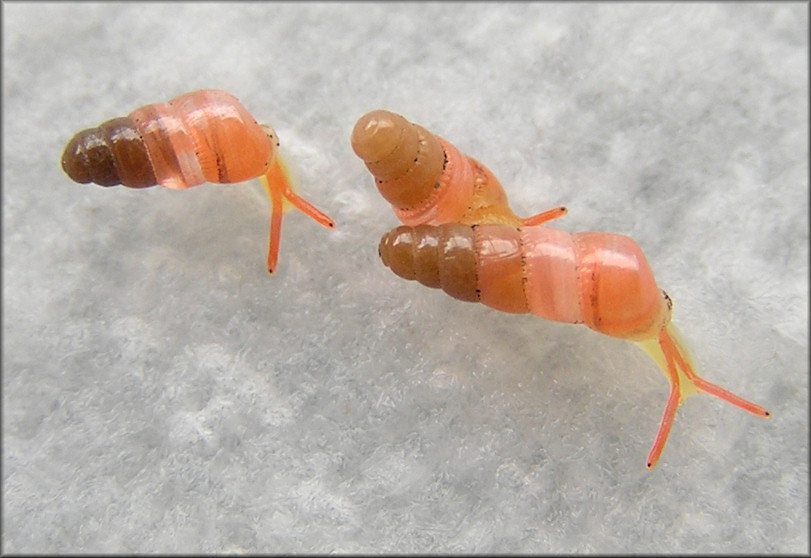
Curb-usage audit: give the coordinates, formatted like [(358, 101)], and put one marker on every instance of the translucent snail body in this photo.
[(489, 255), (199, 137)]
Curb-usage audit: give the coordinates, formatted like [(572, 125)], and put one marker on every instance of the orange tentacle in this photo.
[(276, 215), (673, 402), (278, 185), (545, 217), (670, 346)]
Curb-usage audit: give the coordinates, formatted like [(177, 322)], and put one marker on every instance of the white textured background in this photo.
[(161, 393)]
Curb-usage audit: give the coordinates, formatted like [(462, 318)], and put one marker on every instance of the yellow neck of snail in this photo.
[(654, 350), (279, 177)]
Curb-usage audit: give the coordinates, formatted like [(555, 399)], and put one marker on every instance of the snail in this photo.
[(199, 137)]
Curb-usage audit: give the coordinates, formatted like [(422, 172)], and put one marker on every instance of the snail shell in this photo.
[(600, 280), (204, 136)]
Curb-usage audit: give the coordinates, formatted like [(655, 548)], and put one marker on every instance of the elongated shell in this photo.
[(600, 280), (204, 136), (425, 178)]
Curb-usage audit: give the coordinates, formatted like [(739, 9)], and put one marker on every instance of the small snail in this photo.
[(427, 180), (204, 136)]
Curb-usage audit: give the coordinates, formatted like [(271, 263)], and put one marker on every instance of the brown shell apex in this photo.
[(110, 154), (436, 256)]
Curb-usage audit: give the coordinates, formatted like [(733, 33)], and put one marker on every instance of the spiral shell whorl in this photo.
[(451, 196), (170, 146), (204, 136), (230, 146), (618, 293), (112, 153)]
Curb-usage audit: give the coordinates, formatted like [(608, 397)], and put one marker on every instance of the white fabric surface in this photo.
[(162, 393)]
